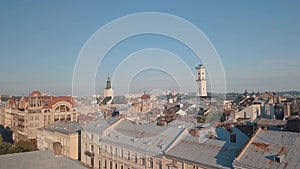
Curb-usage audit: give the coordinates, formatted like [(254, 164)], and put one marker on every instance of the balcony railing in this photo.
[(90, 154)]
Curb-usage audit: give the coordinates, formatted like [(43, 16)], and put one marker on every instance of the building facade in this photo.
[(201, 80), (67, 134), (125, 145), (26, 114), (249, 113)]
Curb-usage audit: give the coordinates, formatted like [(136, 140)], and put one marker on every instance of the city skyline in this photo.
[(256, 42)]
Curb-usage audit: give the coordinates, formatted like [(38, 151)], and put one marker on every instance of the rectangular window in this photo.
[(56, 117), (128, 155), (159, 165), (150, 163), (135, 158), (116, 151), (92, 148), (68, 117), (143, 161), (121, 153)]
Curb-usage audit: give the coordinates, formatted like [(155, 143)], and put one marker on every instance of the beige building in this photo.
[(122, 144), (25, 115), (2, 115), (67, 134), (249, 113)]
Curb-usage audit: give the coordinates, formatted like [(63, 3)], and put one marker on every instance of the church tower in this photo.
[(201, 80), (108, 91)]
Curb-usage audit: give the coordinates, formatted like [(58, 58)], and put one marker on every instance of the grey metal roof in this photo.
[(99, 126), (271, 122), (120, 100), (63, 127), (145, 138), (38, 159), (265, 145), (211, 153)]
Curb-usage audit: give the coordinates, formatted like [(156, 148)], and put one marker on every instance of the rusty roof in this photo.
[(265, 145)]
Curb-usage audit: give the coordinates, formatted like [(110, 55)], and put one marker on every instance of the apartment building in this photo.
[(26, 114), (124, 144), (66, 134)]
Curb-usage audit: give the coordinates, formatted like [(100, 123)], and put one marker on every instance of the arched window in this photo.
[(62, 108)]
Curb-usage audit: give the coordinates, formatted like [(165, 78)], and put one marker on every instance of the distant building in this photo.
[(201, 80), (66, 134), (287, 106), (249, 113), (172, 97), (84, 119), (26, 114), (169, 115), (143, 103)]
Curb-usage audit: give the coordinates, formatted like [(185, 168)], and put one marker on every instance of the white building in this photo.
[(201, 80)]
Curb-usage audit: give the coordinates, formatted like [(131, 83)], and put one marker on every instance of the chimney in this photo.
[(57, 148), (194, 132)]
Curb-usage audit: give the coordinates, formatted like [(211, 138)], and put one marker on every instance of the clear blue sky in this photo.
[(257, 41)]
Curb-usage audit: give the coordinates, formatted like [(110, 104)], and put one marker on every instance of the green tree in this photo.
[(21, 146), (5, 148)]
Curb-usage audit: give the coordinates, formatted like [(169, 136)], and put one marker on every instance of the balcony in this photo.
[(90, 154)]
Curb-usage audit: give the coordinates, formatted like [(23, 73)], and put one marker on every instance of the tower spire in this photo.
[(108, 83), (201, 80)]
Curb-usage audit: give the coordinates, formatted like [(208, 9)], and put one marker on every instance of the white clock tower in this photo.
[(201, 80)]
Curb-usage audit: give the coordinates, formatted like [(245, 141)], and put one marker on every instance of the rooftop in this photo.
[(145, 138), (209, 153), (38, 159), (98, 126), (265, 145), (63, 127)]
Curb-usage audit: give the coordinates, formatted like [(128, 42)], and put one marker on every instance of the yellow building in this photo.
[(67, 134)]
